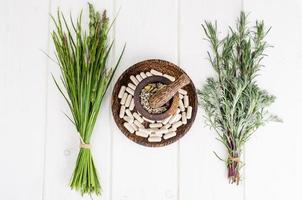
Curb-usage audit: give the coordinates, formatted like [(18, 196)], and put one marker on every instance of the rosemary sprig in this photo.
[(234, 104), (82, 58)]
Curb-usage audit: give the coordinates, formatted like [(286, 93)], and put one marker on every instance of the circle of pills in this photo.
[(155, 131)]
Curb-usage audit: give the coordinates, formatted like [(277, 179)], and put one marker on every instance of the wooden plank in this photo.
[(23, 34), (273, 159), (62, 142), (201, 174), (150, 30)]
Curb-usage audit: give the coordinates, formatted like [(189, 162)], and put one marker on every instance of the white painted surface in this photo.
[(38, 144)]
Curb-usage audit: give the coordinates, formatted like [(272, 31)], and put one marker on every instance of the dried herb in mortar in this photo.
[(235, 106)]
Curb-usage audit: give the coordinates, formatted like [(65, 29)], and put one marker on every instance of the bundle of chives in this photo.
[(82, 58)]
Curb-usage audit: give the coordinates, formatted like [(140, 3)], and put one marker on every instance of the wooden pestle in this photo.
[(166, 93)]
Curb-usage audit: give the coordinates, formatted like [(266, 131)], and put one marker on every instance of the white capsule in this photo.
[(128, 113), (167, 126), (124, 98), (128, 119), (141, 134), (177, 124), (157, 73), (146, 131), (180, 95), (134, 80), (154, 139), (169, 135), (181, 105), (161, 131), (172, 129), (138, 124), (131, 104), (128, 100), (148, 74), (130, 91), (182, 91), (132, 86), (175, 118), (148, 120), (121, 92), (186, 101), (184, 117), (177, 111), (189, 112), (139, 78), (171, 78), (122, 111), (136, 116), (157, 125), (134, 127), (129, 127), (165, 121), (143, 75)]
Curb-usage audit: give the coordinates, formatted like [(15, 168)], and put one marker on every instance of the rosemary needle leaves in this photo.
[(82, 57), (235, 106)]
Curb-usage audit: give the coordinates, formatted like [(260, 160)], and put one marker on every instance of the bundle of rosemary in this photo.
[(82, 58), (234, 104)]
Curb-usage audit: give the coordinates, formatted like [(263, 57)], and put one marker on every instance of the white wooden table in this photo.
[(38, 144)]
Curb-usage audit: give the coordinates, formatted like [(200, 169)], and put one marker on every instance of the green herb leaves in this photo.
[(82, 58), (234, 104)]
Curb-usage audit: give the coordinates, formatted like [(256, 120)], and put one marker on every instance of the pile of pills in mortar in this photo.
[(155, 131)]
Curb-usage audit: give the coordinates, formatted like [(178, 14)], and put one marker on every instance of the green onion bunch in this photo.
[(235, 106), (82, 57)]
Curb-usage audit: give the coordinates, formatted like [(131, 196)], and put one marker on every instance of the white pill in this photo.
[(165, 121), (177, 124), (128, 113), (148, 74), (134, 127), (129, 127), (138, 124), (157, 73), (181, 105), (186, 101), (171, 78), (175, 118), (132, 86), (161, 131), (130, 91), (128, 119), (143, 75), (184, 117), (166, 126), (154, 139), (122, 111), (157, 125), (128, 100), (148, 120), (177, 111), (139, 78), (134, 80), (121, 92), (131, 104), (172, 129), (124, 98), (169, 135), (189, 112), (146, 131), (136, 116), (180, 95), (182, 91), (141, 133)]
